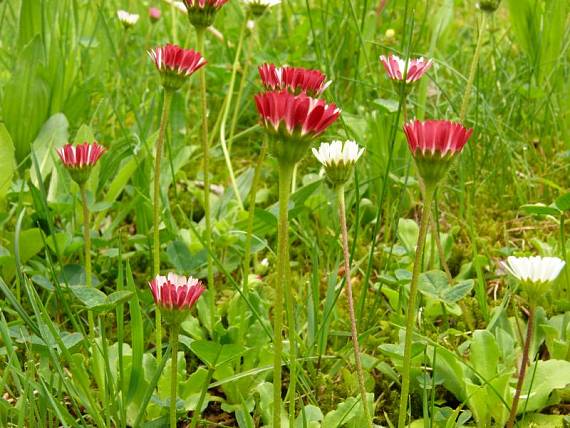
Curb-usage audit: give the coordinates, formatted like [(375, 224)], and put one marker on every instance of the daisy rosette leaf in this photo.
[(338, 158), (294, 121), (175, 295), (79, 160), (202, 13), (400, 70), (534, 273), (258, 7), (127, 19), (294, 79), (434, 144), (176, 64)]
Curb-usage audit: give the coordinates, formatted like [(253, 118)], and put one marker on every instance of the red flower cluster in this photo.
[(176, 63), (175, 292), (294, 79), (436, 137), (288, 110)]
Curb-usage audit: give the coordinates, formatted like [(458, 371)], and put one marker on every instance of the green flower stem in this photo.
[(156, 211), (411, 312), (353, 329), (524, 363), (88, 282), (291, 329), (474, 62), (173, 372), (226, 111), (285, 175), (198, 411), (251, 216), (200, 33)]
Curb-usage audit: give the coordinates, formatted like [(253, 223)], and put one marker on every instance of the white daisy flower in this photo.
[(127, 19), (534, 270), (338, 158), (337, 152)]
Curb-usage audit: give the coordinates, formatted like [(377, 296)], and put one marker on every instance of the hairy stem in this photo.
[(205, 153), (285, 174), (353, 329), (173, 373), (95, 354), (524, 363), (156, 211), (411, 311)]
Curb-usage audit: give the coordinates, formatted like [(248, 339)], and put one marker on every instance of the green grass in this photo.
[(70, 72)]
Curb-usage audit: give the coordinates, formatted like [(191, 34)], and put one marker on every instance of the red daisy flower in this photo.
[(295, 79), (80, 159), (175, 292), (295, 118), (396, 68), (434, 143), (436, 137), (175, 64), (295, 115)]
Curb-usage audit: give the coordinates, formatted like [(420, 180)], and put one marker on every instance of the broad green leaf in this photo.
[(563, 202), (484, 354), (7, 162), (408, 232), (458, 291), (543, 377), (26, 88), (91, 297), (541, 209), (214, 354)]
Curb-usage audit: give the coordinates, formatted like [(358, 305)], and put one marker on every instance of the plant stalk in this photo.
[(411, 311), (353, 329), (156, 211), (285, 175), (524, 363), (200, 33), (97, 362), (173, 372)]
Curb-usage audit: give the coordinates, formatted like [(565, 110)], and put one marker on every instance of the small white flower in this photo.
[(338, 153), (126, 18), (536, 270), (264, 262)]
